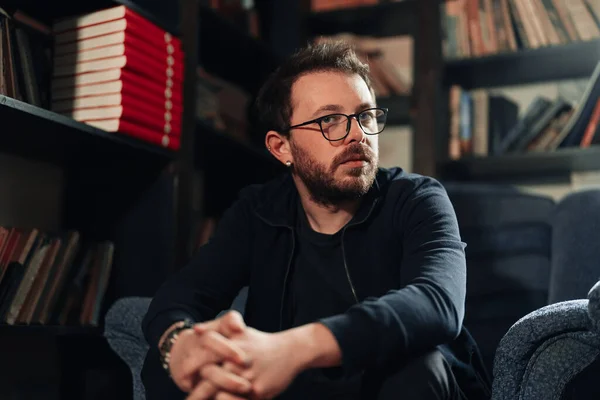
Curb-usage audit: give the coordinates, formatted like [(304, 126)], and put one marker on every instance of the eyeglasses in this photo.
[(337, 126)]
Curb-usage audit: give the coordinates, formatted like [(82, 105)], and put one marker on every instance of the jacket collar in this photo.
[(278, 202)]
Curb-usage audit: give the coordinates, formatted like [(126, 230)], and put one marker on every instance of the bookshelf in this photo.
[(531, 166), (125, 190), (573, 58), (378, 20), (65, 139)]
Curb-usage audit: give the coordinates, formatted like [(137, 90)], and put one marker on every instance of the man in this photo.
[(356, 274)]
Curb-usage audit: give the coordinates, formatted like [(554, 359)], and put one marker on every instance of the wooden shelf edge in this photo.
[(568, 61), (523, 166), (68, 123), (366, 20)]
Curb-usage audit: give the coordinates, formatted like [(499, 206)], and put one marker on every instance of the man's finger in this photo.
[(225, 380), (205, 390), (202, 327), (224, 348), (232, 323), (229, 324), (233, 368), (228, 396)]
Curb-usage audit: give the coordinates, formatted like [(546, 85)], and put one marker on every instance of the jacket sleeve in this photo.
[(428, 308), (209, 282)]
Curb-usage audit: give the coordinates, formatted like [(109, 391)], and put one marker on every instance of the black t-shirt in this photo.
[(319, 287)]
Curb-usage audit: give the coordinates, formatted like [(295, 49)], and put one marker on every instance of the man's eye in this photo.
[(331, 119), (367, 115)]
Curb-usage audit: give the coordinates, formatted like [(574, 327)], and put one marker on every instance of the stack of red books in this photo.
[(117, 71)]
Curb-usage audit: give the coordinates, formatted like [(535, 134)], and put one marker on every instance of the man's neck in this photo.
[(327, 219)]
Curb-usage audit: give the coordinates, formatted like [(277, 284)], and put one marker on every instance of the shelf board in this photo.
[(36, 133), (399, 109), (162, 13), (523, 166), (232, 54), (570, 61), (50, 330), (213, 144), (380, 20)]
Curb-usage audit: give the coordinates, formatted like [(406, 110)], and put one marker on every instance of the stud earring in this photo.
[(288, 163), (269, 147)]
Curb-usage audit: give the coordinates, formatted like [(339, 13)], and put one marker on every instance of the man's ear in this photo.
[(279, 146)]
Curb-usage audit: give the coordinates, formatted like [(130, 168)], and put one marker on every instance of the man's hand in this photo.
[(277, 358), (196, 353)]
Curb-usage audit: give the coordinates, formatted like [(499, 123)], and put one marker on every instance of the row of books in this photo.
[(112, 69), (481, 27), (115, 70), (25, 58), (482, 123), (52, 278)]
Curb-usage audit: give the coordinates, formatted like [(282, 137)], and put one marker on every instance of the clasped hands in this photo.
[(224, 359)]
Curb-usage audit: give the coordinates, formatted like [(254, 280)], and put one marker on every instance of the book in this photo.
[(137, 131), (109, 20), (147, 117), (127, 79)]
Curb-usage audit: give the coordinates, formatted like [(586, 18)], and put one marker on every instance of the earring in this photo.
[(288, 163), (269, 147)]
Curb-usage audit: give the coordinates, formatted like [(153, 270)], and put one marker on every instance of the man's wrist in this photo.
[(314, 346), (168, 340)]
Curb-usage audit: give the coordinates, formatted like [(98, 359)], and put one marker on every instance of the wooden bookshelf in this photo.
[(40, 134), (247, 61), (523, 166), (381, 20), (551, 63)]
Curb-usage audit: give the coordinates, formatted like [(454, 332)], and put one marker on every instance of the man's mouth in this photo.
[(355, 161)]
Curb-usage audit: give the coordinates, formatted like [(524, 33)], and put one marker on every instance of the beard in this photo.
[(320, 179)]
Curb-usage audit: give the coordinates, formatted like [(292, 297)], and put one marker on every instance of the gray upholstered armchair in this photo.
[(123, 331), (542, 354)]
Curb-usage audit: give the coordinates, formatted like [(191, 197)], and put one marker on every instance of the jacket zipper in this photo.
[(285, 279), (344, 252), (346, 268)]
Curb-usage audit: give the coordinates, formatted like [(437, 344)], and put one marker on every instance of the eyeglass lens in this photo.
[(336, 126)]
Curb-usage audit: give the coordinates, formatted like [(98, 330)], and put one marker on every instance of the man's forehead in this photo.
[(318, 89)]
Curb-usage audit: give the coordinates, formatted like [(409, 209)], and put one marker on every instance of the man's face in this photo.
[(332, 171)]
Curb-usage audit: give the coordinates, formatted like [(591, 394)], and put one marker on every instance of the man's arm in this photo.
[(428, 309), (210, 281)]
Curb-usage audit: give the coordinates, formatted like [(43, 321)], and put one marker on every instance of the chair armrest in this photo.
[(594, 305), (123, 332), (517, 349)]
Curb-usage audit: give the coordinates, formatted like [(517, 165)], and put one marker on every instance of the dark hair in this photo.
[(273, 102)]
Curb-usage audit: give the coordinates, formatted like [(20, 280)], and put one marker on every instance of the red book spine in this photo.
[(151, 136), (151, 28), (174, 93), (160, 121)]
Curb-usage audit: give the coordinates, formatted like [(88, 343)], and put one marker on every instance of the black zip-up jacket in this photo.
[(404, 260)]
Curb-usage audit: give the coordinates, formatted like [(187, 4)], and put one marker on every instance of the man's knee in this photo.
[(427, 376)]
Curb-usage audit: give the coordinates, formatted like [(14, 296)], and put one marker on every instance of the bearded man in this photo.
[(356, 274)]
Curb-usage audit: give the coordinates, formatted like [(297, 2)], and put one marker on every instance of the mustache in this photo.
[(354, 151)]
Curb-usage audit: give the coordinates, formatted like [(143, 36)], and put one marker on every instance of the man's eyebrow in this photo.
[(364, 106), (328, 107)]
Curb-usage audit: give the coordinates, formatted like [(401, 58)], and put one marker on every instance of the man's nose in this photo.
[(356, 133)]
